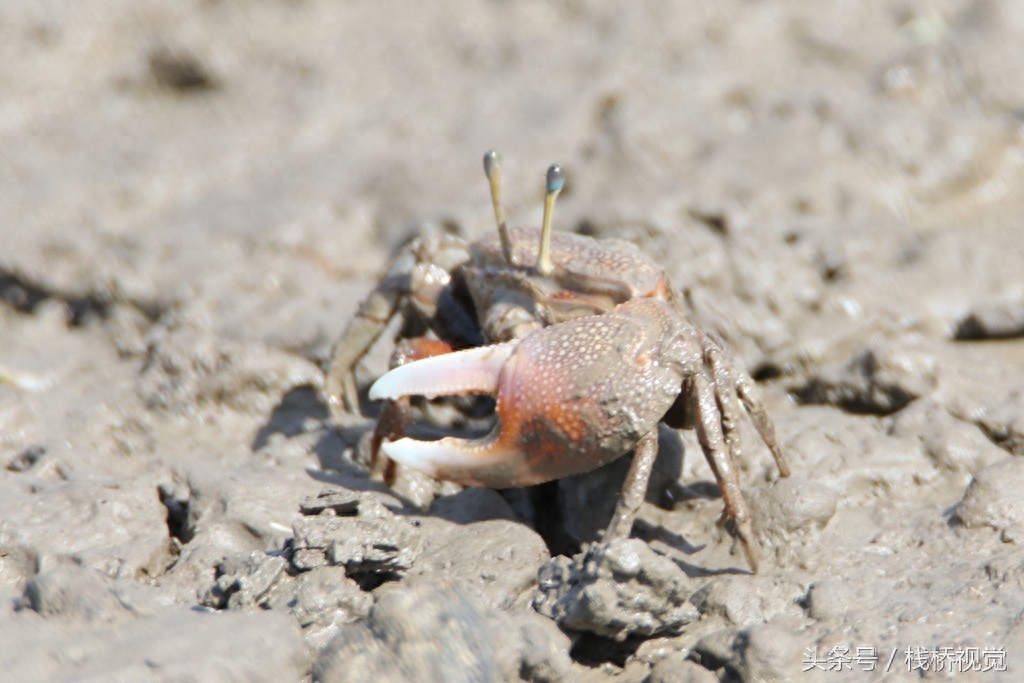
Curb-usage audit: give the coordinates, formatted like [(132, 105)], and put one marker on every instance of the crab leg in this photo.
[(363, 330), (726, 398), (634, 488), (749, 394), (714, 443), (751, 398)]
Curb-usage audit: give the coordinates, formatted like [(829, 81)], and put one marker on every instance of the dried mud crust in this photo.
[(194, 199)]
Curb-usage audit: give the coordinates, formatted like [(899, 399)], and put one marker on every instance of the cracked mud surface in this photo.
[(194, 198)]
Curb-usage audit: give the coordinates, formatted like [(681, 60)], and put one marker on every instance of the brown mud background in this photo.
[(195, 196)]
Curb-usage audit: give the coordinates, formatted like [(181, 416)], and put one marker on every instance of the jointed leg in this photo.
[(724, 388), (716, 450), (634, 488), (362, 332), (751, 398)]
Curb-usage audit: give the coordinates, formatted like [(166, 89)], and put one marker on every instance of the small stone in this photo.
[(180, 70), (767, 652), (993, 499), (676, 668), (791, 508), (341, 502)]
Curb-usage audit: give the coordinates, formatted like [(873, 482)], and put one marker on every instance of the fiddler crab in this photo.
[(582, 342)]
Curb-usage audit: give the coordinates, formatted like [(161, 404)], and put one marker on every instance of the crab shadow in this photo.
[(302, 413)]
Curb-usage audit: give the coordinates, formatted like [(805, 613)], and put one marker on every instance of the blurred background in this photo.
[(154, 150)]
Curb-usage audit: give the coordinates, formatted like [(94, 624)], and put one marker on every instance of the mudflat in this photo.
[(195, 197)]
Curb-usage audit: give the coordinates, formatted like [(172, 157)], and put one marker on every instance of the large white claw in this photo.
[(473, 371), (490, 461), (476, 462)]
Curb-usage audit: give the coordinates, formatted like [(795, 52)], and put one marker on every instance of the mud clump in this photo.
[(349, 550), (879, 380), (616, 590), (188, 368), (373, 540), (444, 633), (790, 511), (747, 600), (244, 581), (78, 593), (119, 528), (677, 668), (1003, 422), (321, 600), (995, 320), (764, 652)]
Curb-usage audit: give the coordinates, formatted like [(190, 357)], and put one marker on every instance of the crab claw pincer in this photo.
[(570, 397)]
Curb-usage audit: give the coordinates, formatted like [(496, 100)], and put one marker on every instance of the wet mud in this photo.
[(194, 198)]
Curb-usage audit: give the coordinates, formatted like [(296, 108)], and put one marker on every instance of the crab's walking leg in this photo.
[(742, 384), (716, 450), (365, 328), (765, 427), (634, 488), (726, 397)]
